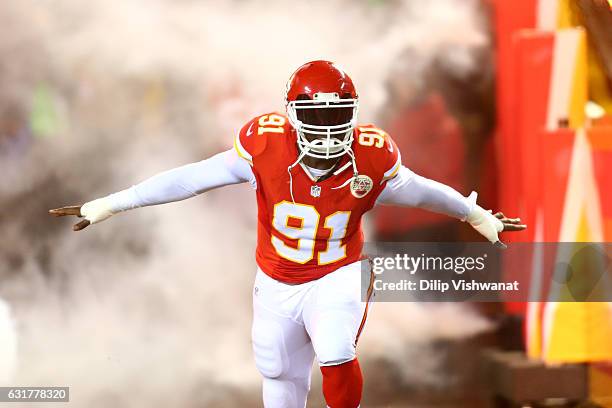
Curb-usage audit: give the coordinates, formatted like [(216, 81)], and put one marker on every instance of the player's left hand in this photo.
[(509, 224), (489, 225)]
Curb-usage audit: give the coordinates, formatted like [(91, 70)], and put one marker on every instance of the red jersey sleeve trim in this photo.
[(242, 152)]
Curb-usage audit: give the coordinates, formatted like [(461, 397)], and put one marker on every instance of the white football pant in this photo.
[(293, 323)]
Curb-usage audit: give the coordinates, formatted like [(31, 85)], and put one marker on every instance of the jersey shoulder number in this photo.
[(378, 149), (252, 139)]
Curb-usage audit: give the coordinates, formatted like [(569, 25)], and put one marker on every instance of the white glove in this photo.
[(97, 210), (484, 222)]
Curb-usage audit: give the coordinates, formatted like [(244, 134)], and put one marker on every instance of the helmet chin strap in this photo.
[(300, 157), (355, 171)]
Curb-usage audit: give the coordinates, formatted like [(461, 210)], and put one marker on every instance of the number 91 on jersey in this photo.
[(300, 222)]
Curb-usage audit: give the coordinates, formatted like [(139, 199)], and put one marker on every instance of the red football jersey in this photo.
[(321, 231)]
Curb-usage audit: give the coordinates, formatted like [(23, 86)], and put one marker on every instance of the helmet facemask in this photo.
[(324, 124)]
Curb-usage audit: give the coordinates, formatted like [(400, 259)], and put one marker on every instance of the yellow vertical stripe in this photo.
[(578, 96), (534, 330), (565, 15)]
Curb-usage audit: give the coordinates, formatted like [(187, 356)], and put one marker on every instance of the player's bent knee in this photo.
[(268, 348), (335, 353), (333, 336)]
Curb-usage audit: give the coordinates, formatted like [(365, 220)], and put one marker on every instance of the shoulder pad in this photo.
[(378, 149), (252, 139)]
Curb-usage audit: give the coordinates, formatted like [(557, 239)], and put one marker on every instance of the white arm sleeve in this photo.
[(184, 182), (411, 190)]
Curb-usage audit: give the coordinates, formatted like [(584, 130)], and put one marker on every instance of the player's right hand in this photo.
[(93, 211)]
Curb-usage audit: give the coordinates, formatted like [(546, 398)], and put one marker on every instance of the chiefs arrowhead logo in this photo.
[(361, 186)]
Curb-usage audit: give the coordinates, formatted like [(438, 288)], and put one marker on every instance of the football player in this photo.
[(316, 172)]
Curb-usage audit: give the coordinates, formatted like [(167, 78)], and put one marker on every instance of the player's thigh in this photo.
[(281, 345), (335, 314)]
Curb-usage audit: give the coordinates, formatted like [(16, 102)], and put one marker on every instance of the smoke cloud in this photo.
[(153, 307)]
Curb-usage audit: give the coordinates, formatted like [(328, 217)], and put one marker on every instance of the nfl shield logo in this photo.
[(315, 191)]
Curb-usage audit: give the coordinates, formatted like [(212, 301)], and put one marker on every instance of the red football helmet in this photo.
[(322, 103)]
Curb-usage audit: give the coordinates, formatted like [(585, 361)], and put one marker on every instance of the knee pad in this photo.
[(342, 385), (333, 348), (339, 354), (333, 333), (269, 349)]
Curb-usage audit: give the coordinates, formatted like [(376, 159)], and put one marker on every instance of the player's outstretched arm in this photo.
[(411, 190), (173, 185)]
